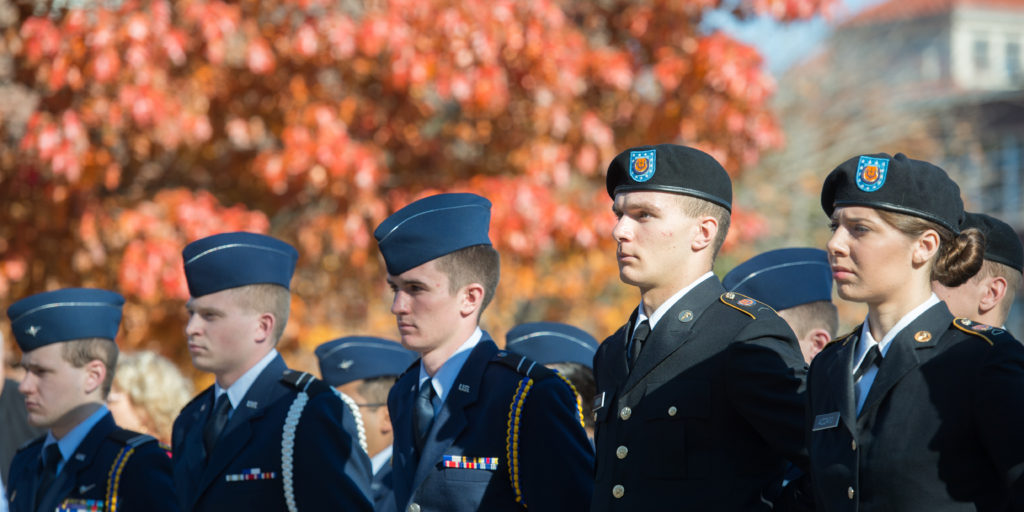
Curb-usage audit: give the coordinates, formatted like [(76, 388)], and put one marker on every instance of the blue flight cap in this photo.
[(64, 315), (362, 357), (783, 278), (432, 227), (230, 260), (551, 342)]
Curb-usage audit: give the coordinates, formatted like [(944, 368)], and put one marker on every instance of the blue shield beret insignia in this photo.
[(871, 173), (642, 164)]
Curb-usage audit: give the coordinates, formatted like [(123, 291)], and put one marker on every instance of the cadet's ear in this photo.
[(472, 299), (95, 374), (707, 229), (995, 290)]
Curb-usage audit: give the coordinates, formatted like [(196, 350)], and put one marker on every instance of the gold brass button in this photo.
[(853, 445), (625, 413), (672, 411), (618, 491), (923, 336), (849, 492), (621, 452)]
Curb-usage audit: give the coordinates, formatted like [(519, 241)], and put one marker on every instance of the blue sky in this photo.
[(784, 44)]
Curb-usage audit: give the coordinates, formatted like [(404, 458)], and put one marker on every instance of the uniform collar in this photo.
[(378, 461), (69, 443), (667, 305), (236, 392), (866, 340), (445, 377)]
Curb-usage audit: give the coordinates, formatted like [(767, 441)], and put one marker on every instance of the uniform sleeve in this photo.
[(766, 375), (1000, 414), (145, 482), (331, 470), (555, 457)]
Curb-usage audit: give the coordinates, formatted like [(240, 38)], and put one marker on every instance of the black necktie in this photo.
[(51, 458), (424, 413), (873, 357), (215, 424), (639, 337)]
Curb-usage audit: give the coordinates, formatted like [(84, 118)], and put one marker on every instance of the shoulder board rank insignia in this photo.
[(522, 365), (844, 339), (745, 304), (304, 382), (986, 332), (130, 438)]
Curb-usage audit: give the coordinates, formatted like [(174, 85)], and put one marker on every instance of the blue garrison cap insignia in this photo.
[(642, 164), (871, 173), (65, 315)]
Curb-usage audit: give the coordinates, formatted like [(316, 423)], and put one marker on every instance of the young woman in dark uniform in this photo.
[(914, 410)]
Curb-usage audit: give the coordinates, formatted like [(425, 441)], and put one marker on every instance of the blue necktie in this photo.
[(424, 413), (215, 424), (48, 473)]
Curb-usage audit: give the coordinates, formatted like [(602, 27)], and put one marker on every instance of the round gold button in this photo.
[(625, 413), (853, 444), (672, 411), (414, 507), (923, 336), (621, 452), (849, 492), (618, 491)]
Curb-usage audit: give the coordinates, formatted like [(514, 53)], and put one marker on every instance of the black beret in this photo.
[(897, 184), (1002, 244), (670, 168)]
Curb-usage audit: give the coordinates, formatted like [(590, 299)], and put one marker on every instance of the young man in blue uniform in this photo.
[(797, 283), (365, 369), (987, 297), (85, 461), (700, 394), (262, 437), (476, 428)]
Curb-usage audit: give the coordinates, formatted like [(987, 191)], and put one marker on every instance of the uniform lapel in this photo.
[(451, 419), (194, 458), (618, 364), (264, 391), (840, 373), (673, 329), (902, 354), (405, 451), (83, 457)]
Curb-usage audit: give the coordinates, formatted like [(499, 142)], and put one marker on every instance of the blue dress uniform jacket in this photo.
[(940, 430), (552, 457), (330, 471), (382, 489), (113, 469), (710, 414)]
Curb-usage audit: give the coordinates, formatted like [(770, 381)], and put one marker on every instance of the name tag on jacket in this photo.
[(825, 421)]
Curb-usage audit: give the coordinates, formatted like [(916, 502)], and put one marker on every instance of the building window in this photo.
[(1013, 63), (980, 53)]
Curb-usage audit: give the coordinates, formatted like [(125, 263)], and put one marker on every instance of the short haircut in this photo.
[(155, 385), (79, 353), (375, 390), (474, 264), (694, 208), (582, 378), (266, 298), (1013, 279), (821, 314)]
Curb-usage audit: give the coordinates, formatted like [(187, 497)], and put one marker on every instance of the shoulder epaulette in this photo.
[(986, 332), (130, 438), (305, 382), (745, 304), (843, 338), (523, 365)]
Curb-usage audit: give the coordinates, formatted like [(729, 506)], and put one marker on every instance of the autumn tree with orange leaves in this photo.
[(161, 122)]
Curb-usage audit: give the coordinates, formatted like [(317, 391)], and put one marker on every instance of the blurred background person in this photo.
[(988, 295), (797, 283), (14, 427), (565, 348), (148, 393), (365, 369)]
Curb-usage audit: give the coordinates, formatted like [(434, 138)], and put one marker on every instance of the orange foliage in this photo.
[(161, 122)]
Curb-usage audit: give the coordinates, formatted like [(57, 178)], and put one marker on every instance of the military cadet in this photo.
[(988, 295), (85, 461), (797, 283), (476, 428), (262, 437), (914, 410), (700, 394), (365, 369), (564, 348)]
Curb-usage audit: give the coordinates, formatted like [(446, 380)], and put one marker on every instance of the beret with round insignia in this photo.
[(670, 168), (897, 184), (1002, 244)]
